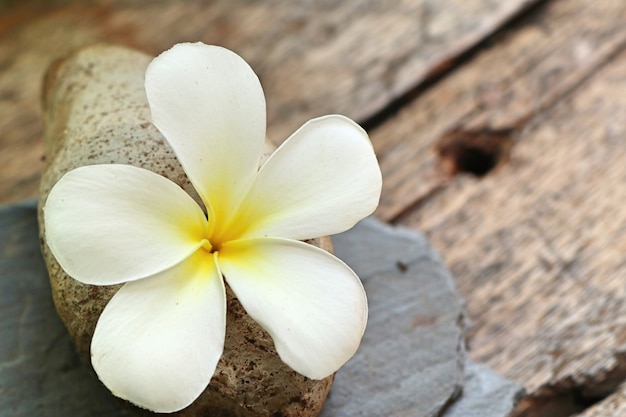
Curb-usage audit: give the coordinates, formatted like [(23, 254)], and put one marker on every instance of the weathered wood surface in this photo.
[(537, 244), (313, 58), (504, 88)]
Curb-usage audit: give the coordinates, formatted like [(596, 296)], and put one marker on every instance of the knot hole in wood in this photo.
[(476, 151)]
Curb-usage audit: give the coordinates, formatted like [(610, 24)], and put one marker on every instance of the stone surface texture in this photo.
[(96, 112), (411, 362), (485, 394), (40, 373), (413, 353)]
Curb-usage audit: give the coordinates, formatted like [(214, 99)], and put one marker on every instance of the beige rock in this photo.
[(96, 112)]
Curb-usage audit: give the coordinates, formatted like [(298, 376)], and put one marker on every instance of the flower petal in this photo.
[(310, 302), (209, 105), (321, 181), (158, 341), (107, 224)]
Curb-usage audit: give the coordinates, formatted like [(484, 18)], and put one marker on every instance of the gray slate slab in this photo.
[(411, 362), (412, 357), (40, 375), (485, 394)]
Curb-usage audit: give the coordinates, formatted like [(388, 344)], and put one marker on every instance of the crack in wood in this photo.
[(511, 102), (448, 65), (569, 397)]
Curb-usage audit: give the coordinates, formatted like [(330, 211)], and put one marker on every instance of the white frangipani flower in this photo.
[(158, 341)]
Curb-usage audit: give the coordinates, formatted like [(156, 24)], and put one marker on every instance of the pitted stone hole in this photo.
[(475, 152)]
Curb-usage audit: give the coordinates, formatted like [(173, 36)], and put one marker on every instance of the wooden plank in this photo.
[(351, 57), (538, 244), (542, 59)]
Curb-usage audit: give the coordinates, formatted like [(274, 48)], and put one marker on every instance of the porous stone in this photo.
[(96, 113), (39, 369)]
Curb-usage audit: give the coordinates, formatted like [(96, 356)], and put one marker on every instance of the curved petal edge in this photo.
[(158, 341), (312, 304), (321, 181), (107, 224)]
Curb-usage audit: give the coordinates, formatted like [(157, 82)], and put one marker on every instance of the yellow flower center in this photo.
[(206, 245), (218, 233)]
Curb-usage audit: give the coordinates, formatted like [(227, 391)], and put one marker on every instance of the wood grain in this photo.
[(537, 245), (314, 58), (529, 68)]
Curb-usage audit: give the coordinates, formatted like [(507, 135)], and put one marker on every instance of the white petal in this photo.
[(209, 105), (107, 224), (321, 181), (310, 302), (158, 341)]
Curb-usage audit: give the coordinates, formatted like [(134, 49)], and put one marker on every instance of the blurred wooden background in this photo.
[(500, 127)]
